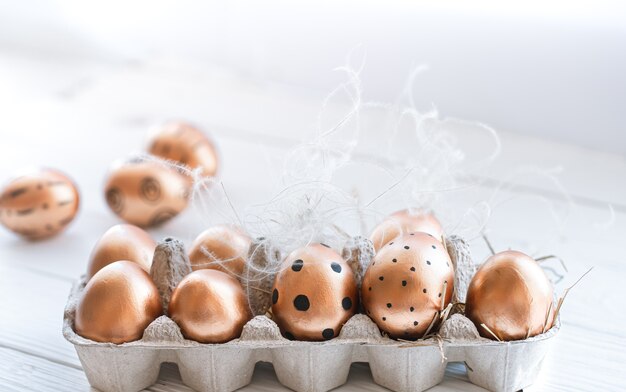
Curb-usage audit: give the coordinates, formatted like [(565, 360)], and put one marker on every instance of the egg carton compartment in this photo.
[(307, 366)]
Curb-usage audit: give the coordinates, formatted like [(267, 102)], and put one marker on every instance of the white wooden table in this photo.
[(79, 117)]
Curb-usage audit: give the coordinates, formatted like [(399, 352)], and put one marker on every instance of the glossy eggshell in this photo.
[(184, 143), (39, 204), (117, 304), (314, 294), (403, 222), (226, 244), (122, 242), (146, 193), (512, 296), (405, 283), (209, 306)]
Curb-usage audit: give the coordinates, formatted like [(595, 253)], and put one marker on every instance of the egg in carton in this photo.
[(305, 366)]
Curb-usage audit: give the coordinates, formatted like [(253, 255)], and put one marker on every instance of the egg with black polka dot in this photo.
[(314, 294), (409, 280)]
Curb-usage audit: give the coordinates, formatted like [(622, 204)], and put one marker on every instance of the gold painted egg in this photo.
[(512, 296), (184, 143), (406, 221), (406, 283), (146, 193), (209, 306), (117, 304), (39, 204), (226, 244), (122, 242), (314, 294)]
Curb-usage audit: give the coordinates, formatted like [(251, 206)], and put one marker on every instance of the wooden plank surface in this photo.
[(80, 117)]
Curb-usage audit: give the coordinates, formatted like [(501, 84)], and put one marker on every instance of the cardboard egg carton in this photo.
[(311, 366)]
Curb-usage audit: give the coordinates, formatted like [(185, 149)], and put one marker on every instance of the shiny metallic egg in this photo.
[(122, 242), (146, 193), (512, 296), (220, 247), (39, 204), (406, 221), (184, 143), (117, 304), (209, 306), (407, 283), (314, 294)]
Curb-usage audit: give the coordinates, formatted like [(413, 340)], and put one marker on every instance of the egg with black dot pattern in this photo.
[(314, 294), (404, 222), (407, 283)]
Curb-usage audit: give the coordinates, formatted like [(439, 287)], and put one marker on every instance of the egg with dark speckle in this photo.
[(408, 282), (314, 294)]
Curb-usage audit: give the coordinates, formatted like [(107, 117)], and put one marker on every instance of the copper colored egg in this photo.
[(184, 143), (117, 304), (146, 193), (512, 296), (220, 247), (209, 306), (406, 221), (314, 294), (39, 204), (406, 283), (122, 242)]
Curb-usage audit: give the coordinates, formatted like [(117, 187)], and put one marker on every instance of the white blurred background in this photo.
[(555, 69), (82, 82)]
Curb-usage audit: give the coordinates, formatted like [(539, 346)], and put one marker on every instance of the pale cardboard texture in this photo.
[(307, 366)]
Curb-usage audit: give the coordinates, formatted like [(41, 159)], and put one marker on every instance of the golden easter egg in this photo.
[(512, 296), (146, 193), (185, 143), (122, 242), (209, 306), (408, 282), (314, 294), (406, 221), (221, 247), (38, 204), (117, 304)]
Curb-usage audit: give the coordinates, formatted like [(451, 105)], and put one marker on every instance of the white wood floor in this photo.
[(80, 116)]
